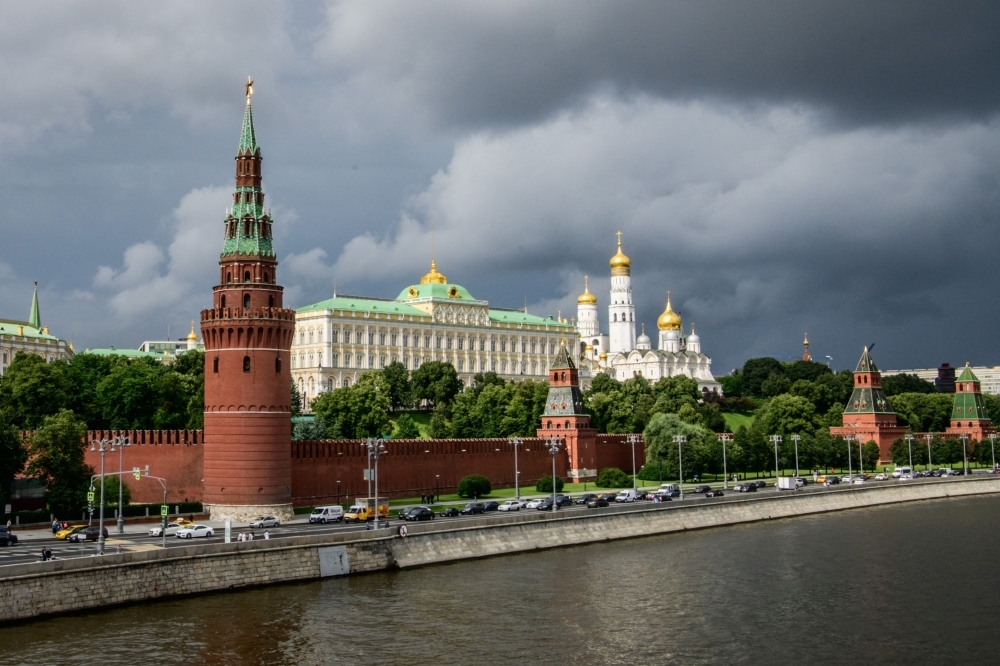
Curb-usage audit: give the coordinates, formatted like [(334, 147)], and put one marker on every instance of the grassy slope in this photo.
[(422, 419), (734, 420)]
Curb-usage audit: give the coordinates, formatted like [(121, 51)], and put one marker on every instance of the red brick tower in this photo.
[(248, 335), (564, 417), (969, 415), (869, 415)]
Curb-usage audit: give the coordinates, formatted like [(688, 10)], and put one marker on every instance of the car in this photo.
[(746, 488), (510, 505), (563, 500), (881, 477), (7, 537), (584, 498), (859, 480), (714, 493), (760, 484), (65, 532), (195, 531), (833, 480), (450, 512), (419, 513), (533, 504), (472, 508), (849, 478), (265, 521), (596, 502), (663, 496), (609, 497), (701, 489), (627, 495), (327, 514), (171, 530), (905, 477), (405, 511), (88, 534), (491, 506), (642, 494), (546, 505)]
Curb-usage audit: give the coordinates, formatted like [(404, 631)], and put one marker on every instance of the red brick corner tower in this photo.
[(564, 417), (869, 415), (248, 335), (969, 415)]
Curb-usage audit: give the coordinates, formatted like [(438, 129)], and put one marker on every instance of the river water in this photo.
[(910, 584)]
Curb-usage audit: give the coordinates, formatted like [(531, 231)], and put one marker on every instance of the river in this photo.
[(909, 584)]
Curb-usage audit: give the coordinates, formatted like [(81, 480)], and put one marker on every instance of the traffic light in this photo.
[(137, 472)]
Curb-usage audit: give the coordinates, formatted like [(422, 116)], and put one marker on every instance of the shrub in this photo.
[(406, 428), (474, 485), (612, 477), (544, 484)]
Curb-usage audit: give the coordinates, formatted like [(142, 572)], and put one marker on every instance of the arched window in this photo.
[(215, 364), (246, 276), (265, 277), (229, 277), (614, 317), (246, 364), (277, 364), (564, 376), (567, 425), (329, 385), (270, 301), (246, 301), (222, 301)]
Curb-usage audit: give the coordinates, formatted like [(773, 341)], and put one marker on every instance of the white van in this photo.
[(900, 471), (327, 514), (671, 489), (626, 496)]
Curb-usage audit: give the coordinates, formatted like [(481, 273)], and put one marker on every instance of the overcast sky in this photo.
[(779, 166)]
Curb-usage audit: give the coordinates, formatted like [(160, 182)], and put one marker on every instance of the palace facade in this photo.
[(17, 337)]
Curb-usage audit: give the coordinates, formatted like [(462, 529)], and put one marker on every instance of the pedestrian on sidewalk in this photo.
[(55, 526), (251, 535), (266, 535)]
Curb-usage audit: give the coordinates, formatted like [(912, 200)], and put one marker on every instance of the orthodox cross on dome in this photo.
[(619, 234), (249, 88)]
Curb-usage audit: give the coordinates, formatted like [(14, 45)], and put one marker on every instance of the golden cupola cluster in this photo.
[(586, 298), (433, 277), (669, 320), (620, 263)]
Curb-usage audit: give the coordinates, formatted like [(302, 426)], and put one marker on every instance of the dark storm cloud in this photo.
[(514, 62)]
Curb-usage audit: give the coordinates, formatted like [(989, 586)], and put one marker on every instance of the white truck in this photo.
[(788, 483)]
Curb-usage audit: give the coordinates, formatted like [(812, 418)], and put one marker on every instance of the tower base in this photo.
[(244, 513)]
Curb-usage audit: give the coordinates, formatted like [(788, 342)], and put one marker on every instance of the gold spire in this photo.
[(192, 336), (249, 87), (669, 320), (586, 298), (620, 264), (806, 356), (433, 277)]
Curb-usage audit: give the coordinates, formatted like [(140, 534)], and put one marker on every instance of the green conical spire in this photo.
[(248, 138), (35, 318)]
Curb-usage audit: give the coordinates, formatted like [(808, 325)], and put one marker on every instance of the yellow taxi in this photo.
[(62, 534)]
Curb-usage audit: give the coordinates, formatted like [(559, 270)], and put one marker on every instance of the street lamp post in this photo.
[(993, 443), (368, 444), (376, 449), (909, 441), (680, 440), (850, 469), (965, 456), (553, 445), (103, 445), (796, 439), (776, 439), (633, 440), (929, 437), (724, 437), (516, 442), (437, 487), (338, 491), (122, 443), (861, 458)]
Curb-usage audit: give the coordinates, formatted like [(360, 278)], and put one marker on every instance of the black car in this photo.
[(7, 538), (833, 480), (701, 489), (563, 500), (450, 512), (403, 513), (595, 502), (642, 495), (586, 497), (714, 493), (760, 484), (546, 505), (746, 488), (609, 497), (491, 506), (473, 507), (89, 534), (419, 513), (664, 496)]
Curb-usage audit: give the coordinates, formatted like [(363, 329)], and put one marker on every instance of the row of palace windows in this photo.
[(439, 341), (358, 361)]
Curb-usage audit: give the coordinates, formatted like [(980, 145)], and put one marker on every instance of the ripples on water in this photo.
[(913, 584)]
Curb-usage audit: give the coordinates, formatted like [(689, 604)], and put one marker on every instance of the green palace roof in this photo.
[(451, 292), (356, 304), (129, 353), (23, 329)]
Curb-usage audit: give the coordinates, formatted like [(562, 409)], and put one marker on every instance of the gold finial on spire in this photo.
[(806, 356), (249, 87), (620, 263)]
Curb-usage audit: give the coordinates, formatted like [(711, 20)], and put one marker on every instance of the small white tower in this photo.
[(693, 342), (192, 338), (586, 313), (621, 311), (643, 342)]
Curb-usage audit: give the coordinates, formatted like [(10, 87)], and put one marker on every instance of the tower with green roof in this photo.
[(869, 415), (565, 418), (968, 413), (247, 335)]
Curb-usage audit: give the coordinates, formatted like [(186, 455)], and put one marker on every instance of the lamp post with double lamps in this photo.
[(965, 453), (680, 440), (553, 444), (850, 469), (796, 439), (724, 437), (776, 439), (102, 445), (929, 437), (122, 443), (376, 449), (516, 442), (909, 442), (993, 443), (633, 440), (367, 444)]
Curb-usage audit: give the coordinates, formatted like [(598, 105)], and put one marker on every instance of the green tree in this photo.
[(896, 384), (756, 371), (870, 455), (732, 385), (786, 415), (775, 384), (190, 366), (84, 372), (436, 383), (132, 394), (807, 370), (357, 411), (822, 396), (406, 428), (397, 377), (924, 412), (111, 492), (662, 450), (544, 484), (672, 393), (438, 427), (13, 456), (296, 401), (474, 485), (612, 477), (309, 430), (481, 413), (32, 390), (56, 457)]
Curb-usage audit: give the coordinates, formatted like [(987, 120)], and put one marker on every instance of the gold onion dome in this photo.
[(192, 336), (669, 320), (620, 264), (433, 277), (586, 298)]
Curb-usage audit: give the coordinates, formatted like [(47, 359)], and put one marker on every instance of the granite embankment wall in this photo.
[(32, 590)]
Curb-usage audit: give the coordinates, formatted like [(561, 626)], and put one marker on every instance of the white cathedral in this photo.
[(621, 354)]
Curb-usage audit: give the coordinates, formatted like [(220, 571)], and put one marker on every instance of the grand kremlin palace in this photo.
[(339, 338)]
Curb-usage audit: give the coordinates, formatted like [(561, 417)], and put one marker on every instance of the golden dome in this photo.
[(669, 320), (604, 356), (620, 264), (589, 348), (433, 277), (192, 336), (586, 298)]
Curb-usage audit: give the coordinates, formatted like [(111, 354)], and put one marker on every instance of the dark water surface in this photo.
[(912, 584)]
